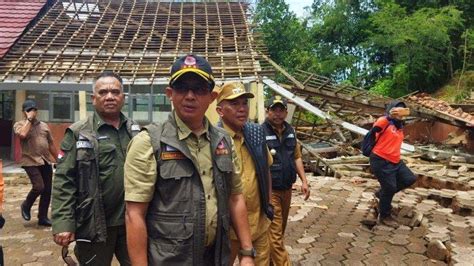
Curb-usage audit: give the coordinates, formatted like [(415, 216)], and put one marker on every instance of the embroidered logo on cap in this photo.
[(190, 61)]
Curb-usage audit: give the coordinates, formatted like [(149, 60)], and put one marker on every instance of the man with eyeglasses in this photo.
[(88, 192), (182, 182)]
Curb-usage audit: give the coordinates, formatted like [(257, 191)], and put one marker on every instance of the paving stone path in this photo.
[(325, 230)]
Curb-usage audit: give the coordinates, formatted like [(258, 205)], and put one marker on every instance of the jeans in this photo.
[(393, 177)]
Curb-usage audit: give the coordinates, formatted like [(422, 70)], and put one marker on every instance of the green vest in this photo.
[(90, 216), (177, 213)]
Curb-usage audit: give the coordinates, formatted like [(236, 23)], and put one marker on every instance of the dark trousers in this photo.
[(392, 177), (40, 177), (102, 253)]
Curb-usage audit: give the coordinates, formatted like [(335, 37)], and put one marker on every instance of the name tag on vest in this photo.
[(172, 155), (82, 144), (272, 137)]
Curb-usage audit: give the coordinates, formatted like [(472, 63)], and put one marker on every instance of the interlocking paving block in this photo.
[(346, 235), (437, 236), (437, 250), (43, 253), (416, 247), (399, 240), (306, 240), (438, 229)]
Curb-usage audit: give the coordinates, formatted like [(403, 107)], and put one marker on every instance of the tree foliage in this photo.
[(392, 47)]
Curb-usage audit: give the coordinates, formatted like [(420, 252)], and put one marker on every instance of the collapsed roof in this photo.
[(74, 41)]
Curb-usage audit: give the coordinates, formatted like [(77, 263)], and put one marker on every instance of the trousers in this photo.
[(40, 177), (393, 177), (281, 200)]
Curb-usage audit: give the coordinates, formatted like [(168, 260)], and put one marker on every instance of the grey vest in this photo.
[(90, 216), (177, 213)]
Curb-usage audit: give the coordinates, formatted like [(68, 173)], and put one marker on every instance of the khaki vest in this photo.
[(177, 213)]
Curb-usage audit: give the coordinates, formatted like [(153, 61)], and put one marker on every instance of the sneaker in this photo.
[(388, 221)]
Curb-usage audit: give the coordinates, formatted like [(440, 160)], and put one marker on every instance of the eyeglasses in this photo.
[(68, 259), (201, 91)]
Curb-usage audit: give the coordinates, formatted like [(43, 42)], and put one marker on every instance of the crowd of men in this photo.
[(182, 192)]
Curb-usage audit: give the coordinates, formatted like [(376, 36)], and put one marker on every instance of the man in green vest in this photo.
[(182, 182), (88, 195)]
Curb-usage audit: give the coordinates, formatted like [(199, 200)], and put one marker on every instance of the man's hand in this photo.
[(31, 115), (247, 261), (305, 190), (64, 238)]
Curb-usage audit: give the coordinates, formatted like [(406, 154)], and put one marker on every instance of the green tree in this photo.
[(285, 36), (420, 41)]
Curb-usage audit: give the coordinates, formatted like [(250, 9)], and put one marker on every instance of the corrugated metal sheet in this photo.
[(14, 17)]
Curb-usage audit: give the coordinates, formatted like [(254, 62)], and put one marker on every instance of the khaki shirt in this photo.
[(35, 147), (141, 171), (258, 220), (298, 153)]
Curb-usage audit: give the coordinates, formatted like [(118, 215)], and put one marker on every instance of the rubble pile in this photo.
[(427, 101)]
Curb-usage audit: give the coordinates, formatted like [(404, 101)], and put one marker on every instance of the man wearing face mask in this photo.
[(392, 173), (37, 154)]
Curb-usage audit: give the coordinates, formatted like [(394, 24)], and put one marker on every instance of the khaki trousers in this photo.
[(260, 244), (281, 200)]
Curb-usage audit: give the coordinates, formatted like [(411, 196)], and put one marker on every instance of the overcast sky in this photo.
[(298, 5)]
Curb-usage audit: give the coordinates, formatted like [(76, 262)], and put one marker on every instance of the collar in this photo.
[(98, 122), (275, 129), (231, 132), (184, 131)]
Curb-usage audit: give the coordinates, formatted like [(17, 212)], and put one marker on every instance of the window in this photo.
[(62, 108)]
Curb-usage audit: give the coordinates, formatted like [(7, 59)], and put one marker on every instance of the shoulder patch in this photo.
[(291, 136), (135, 127)]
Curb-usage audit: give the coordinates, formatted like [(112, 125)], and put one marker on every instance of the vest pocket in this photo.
[(84, 223), (107, 161), (175, 182), (170, 243)]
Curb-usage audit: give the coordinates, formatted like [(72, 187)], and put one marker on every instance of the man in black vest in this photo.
[(287, 162), (182, 183), (255, 159)]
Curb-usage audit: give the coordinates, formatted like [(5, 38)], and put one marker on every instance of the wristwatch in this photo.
[(248, 252)]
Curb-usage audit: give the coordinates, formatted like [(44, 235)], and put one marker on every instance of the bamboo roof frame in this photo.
[(74, 41)]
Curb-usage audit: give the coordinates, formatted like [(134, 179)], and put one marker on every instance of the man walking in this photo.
[(255, 160), (88, 192), (37, 154), (287, 162), (181, 181)]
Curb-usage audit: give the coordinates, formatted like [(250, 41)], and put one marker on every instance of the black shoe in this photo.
[(44, 222), (25, 213)]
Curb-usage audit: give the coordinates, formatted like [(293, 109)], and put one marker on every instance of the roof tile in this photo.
[(14, 17)]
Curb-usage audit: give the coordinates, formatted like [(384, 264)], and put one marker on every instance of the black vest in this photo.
[(254, 136), (283, 169)]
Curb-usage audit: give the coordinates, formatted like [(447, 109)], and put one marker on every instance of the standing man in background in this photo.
[(88, 194), (37, 154), (255, 160), (287, 162)]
